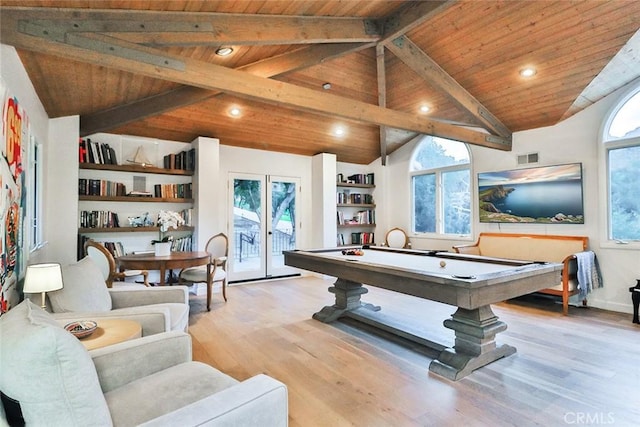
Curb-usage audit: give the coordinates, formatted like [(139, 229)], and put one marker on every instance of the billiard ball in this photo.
[(443, 264)]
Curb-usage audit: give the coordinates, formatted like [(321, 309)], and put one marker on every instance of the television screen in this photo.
[(547, 194)]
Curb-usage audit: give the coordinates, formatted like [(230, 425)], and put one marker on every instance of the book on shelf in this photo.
[(182, 244), (95, 152), (346, 197), (363, 238), (116, 249), (184, 160), (99, 219), (100, 187), (175, 191), (140, 194), (362, 178)]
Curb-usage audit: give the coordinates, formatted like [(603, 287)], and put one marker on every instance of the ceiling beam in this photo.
[(382, 99), (118, 54), (183, 96), (201, 28), (409, 53), (410, 17)]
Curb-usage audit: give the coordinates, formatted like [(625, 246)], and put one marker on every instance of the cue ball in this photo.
[(442, 263)]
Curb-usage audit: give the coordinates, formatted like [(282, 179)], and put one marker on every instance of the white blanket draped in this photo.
[(589, 276)]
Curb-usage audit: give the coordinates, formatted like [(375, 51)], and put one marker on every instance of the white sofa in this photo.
[(151, 381)]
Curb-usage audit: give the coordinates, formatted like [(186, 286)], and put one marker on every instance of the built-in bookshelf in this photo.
[(355, 209), (116, 199)]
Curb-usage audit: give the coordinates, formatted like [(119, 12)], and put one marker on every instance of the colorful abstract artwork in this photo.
[(14, 137)]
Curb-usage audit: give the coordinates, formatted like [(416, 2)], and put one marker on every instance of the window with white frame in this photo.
[(440, 174), (621, 139), (34, 193)]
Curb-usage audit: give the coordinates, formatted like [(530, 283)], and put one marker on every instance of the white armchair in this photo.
[(85, 296), (150, 381)]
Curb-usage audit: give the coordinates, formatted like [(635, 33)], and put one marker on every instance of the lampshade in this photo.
[(43, 278)]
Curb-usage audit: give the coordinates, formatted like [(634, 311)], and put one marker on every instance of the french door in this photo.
[(263, 224)]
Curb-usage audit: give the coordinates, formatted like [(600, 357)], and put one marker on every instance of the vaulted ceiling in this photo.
[(149, 68)]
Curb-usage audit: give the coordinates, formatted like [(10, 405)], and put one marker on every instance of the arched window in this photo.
[(441, 187), (621, 140)]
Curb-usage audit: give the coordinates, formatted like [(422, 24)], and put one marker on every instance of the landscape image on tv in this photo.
[(548, 194)]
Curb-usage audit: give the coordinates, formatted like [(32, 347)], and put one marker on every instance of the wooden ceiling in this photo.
[(149, 68)]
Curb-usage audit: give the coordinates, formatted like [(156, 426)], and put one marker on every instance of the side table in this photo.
[(112, 331)]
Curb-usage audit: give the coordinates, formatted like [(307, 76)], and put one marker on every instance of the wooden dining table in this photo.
[(150, 261)]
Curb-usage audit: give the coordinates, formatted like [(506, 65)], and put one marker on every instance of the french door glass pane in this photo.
[(283, 219), (247, 227)]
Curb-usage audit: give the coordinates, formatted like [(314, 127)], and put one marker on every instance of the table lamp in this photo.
[(43, 278)]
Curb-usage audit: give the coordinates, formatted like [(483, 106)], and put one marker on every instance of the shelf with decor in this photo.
[(133, 199), (355, 209), (119, 175), (356, 205), (355, 225), (136, 169), (87, 230)]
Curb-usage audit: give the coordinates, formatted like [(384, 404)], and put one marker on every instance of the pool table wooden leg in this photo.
[(475, 344), (347, 294)]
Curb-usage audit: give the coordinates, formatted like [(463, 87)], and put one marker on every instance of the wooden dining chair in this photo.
[(107, 263), (218, 249), (397, 238)]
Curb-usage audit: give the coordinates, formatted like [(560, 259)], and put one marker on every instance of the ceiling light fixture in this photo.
[(339, 131), (424, 108), (326, 86), (234, 112), (528, 72), (224, 51)]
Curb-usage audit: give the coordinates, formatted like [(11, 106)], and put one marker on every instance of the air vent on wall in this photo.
[(525, 159)]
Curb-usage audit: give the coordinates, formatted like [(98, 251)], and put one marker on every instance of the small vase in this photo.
[(163, 248)]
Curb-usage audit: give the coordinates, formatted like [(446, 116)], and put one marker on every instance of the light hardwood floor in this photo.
[(583, 369)]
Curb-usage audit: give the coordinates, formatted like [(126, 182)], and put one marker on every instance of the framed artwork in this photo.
[(545, 195), (14, 137)]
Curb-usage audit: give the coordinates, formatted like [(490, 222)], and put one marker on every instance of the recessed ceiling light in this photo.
[(339, 131), (424, 108), (326, 86), (528, 72), (234, 112), (224, 51)]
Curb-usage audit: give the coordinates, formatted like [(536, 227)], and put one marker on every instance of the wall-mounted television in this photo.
[(546, 195)]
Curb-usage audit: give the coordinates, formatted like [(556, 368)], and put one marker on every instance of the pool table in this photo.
[(470, 283)]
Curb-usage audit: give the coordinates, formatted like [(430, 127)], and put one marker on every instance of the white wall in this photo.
[(61, 190), (323, 194), (573, 140), (19, 85)]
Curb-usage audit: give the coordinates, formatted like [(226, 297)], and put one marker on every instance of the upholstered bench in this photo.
[(535, 247)]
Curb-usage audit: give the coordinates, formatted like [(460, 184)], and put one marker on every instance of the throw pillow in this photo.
[(48, 371), (84, 289)]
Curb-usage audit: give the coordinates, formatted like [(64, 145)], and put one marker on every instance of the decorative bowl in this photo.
[(81, 328)]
